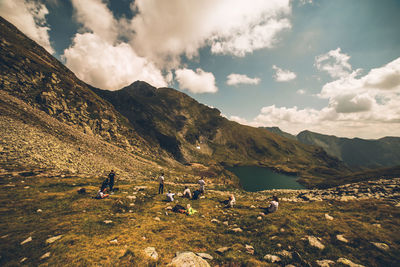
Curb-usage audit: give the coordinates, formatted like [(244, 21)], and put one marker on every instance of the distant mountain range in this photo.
[(355, 152), (156, 126)]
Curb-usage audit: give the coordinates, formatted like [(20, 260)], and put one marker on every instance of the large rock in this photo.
[(325, 263), (347, 262), (188, 259), (314, 242), (272, 258), (381, 246), (151, 252)]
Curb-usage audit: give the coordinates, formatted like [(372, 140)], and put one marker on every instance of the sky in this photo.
[(326, 66)]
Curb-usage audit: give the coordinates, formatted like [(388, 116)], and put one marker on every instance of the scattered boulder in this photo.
[(53, 239), (23, 259), (114, 241), (29, 239), (381, 246), (215, 221), (314, 242), (151, 252), (205, 256), (157, 219), (249, 249), (259, 218), (325, 263), (237, 230), (107, 221), (222, 250), (45, 256), (131, 197), (285, 253), (342, 238), (272, 258), (347, 262), (226, 223), (328, 217), (188, 259), (39, 210)]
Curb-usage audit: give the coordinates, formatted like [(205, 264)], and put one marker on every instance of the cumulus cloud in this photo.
[(335, 63), (98, 57), (235, 79), (283, 75), (165, 30), (358, 106), (109, 66), (196, 82), (30, 18)]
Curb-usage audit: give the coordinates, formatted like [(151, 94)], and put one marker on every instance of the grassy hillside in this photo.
[(39, 204)]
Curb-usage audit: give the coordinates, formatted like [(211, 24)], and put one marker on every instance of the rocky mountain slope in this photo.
[(193, 132), (158, 124), (355, 152)]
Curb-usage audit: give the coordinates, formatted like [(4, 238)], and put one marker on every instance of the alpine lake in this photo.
[(254, 179)]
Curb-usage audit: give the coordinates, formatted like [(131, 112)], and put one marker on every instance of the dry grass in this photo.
[(86, 238)]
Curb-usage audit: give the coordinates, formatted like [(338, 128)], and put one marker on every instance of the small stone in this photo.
[(151, 252), (381, 246), (157, 219), (215, 221), (252, 207), (272, 258), (179, 194), (328, 217), (131, 197), (279, 245), (26, 187), (23, 259), (222, 250), (348, 262), (282, 230), (259, 218), (107, 221), (377, 225), (313, 241), (29, 239), (53, 239), (342, 238), (273, 237), (188, 259), (143, 237), (45, 256), (114, 241), (39, 210), (4, 236), (249, 249), (226, 223), (168, 208), (325, 263), (285, 253), (205, 256), (237, 230), (202, 197)]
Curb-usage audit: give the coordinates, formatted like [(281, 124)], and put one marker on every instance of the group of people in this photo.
[(186, 193), (109, 183)]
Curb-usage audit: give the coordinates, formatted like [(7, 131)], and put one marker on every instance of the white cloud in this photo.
[(334, 63), (108, 66), (283, 75), (98, 57), (235, 79), (366, 107), (30, 18), (196, 82), (301, 92), (165, 30)]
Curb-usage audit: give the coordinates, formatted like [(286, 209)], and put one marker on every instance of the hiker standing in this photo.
[(202, 184), (111, 176), (161, 181)]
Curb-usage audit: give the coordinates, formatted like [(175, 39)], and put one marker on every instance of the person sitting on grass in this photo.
[(231, 201), (196, 194), (101, 194), (187, 193), (170, 196), (190, 210), (273, 205)]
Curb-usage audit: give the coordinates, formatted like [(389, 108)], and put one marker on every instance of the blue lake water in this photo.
[(257, 178)]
